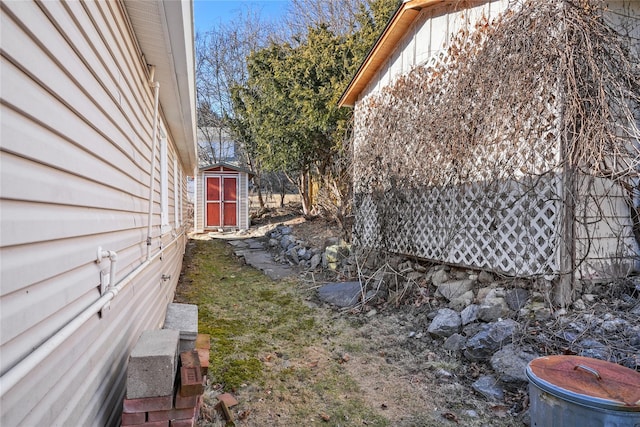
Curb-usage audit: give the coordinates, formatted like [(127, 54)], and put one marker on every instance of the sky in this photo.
[(208, 13)]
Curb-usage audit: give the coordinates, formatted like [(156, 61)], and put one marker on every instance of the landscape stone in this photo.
[(491, 337), (579, 305), (439, 277), (487, 385), (315, 261), (455, 289), (455, 342), (485, 277), (516, 298), (464, 300), (469, 314), (510, 363), (493, 309), (446, 323), (341, 294), (152, 364), (292, 255)]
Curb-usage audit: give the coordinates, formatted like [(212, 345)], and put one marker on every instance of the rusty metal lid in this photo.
[(587, 381)]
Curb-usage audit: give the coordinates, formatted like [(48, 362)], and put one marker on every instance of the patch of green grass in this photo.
[(245, 313)]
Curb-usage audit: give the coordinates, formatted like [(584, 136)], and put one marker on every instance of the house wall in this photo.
[(76, 114), (243, 200)]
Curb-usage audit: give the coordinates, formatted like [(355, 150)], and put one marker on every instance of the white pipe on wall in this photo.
[(156, 90), (31, 361)]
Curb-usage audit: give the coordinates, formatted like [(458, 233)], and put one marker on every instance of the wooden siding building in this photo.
[(98, 136), (222, 198), (548, 223)]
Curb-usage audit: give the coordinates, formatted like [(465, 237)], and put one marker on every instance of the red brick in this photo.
[(174, 414), (203, 355), (183, 402), (191, 381), (183, 423), (156, 424), (147, 404), (228, 399), (133, 419), (203, 341)]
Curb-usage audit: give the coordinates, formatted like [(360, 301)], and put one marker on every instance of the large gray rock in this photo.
[(455, 342), (292, 255), (464, 300), (469, 314), (315, 261), (492, 309), (342, 294), (510, 363), (446, 323), (490, 339), (152, 364), (488, 386), (455, 289), (516, 298), (439, 277)]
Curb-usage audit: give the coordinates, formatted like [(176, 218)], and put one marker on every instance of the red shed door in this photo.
[(230, 202), (221, 201)]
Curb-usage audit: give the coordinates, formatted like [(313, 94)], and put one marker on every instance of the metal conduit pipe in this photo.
[(30, 362), (156, 90)]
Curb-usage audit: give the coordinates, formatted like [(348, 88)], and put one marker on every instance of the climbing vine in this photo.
[(544, 99)]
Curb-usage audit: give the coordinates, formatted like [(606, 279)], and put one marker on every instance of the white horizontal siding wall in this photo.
[(76, 115), (429, 37)]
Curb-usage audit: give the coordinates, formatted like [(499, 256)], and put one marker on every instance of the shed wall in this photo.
[(428, 38), (76, 115), (441, 223)]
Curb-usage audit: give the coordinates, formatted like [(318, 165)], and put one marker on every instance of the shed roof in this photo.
[(227, 166), (395, 31)]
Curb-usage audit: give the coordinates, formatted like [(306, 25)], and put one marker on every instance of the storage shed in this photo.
[(222, 198)]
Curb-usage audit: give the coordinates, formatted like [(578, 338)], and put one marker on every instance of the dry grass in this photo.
[(291, 362)]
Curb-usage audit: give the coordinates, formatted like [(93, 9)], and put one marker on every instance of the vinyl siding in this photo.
[(75, 158)]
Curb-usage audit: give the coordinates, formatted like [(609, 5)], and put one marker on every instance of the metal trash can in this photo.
[(574, 391)]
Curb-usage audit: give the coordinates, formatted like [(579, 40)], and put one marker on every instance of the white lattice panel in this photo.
[(512, 231)]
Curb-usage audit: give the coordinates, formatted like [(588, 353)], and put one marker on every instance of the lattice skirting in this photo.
[(511, 228)]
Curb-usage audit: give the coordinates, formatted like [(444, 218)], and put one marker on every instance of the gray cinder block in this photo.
[(153, 364), (183, 318)]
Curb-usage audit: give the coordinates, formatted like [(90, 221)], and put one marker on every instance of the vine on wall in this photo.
[(547, 97)]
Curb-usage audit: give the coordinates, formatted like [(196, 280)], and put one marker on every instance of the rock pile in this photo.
[(334, 255)]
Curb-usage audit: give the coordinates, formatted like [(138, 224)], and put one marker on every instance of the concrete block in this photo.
[(186, 345), (182, 318), (153, 364)]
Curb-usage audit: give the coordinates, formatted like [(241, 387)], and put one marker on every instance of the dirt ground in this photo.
[(375, 367)]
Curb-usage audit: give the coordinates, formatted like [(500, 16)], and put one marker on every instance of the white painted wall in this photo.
[(75, 158)]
